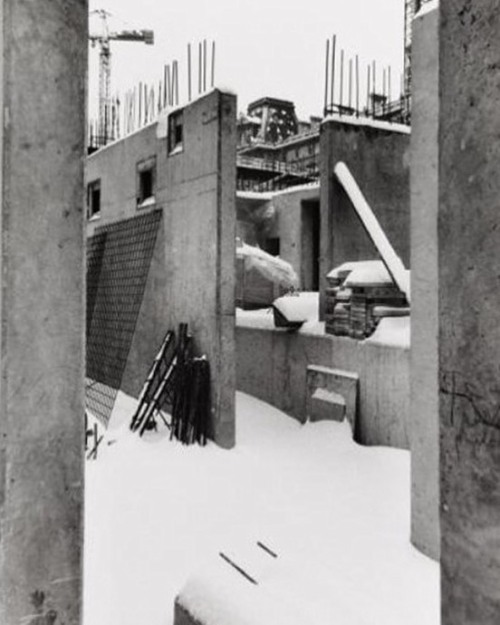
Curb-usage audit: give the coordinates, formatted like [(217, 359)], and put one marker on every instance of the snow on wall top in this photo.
[(298, 307), (427, 7), (368, 272), (368, 122), (392, 332)]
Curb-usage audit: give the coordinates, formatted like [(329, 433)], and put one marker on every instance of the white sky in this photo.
[(264, 47)]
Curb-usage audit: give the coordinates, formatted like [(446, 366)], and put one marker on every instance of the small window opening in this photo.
[(146, 182), (94, 199), (176, 132)]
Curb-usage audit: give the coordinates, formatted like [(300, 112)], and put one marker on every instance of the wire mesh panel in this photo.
[(118, 260)]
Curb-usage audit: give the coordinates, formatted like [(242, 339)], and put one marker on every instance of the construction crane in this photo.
[(103, 40)]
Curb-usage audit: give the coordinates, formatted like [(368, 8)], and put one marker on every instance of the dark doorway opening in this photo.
[(310, 245)]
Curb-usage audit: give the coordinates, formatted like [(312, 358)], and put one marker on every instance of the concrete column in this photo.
[(424, 404), (469, 311), (43, 75)]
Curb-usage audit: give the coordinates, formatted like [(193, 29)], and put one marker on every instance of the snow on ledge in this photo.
[(392, 332), (298, 307), (368, 122), (368, 272), (427, 8)]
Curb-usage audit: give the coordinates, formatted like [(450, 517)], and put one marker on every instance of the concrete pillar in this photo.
[(424, 402), (469, 311), (43, 75)]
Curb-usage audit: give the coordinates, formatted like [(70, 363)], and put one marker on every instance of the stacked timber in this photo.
[(358, 296)]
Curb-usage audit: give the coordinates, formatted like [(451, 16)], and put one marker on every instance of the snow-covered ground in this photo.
[(337, 515)]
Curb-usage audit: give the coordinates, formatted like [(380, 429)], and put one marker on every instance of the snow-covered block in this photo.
[(327, 406), (220, 595), (294, 309), (332, 394)]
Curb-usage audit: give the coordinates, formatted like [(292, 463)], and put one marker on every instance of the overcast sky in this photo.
[(264, 47)]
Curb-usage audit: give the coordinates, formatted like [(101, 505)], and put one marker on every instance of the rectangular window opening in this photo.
[(146, 182), (175, 132), (94, 199)]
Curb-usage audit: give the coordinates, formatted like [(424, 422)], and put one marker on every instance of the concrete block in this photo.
[(332, 393), (326, 406)]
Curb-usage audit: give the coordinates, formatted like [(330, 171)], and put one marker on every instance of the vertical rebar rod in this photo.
[(213, 65), (169, 85), (341, 94), (332, 82), (357, 86), (165, 87), (204, 65), (200, 65), (176, 83), (350, 84), (374, 87), (368, 88), (189, 72), (389, 85), (327, 70), (139, 121)]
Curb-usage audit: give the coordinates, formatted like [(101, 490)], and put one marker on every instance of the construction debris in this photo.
[(178, 383), (358, 296)]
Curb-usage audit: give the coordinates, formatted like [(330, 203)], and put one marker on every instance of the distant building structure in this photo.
[(275, 149)]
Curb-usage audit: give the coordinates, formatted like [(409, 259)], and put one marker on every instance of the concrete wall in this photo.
[(43, 72), (289, 207), (192, 275), (379, 159), (280, 216), (469, 305), (272, 365), (424, 285)]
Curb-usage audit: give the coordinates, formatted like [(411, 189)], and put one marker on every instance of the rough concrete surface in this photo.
[(44, 65), (424, 408), (192, 275), (273, 365), (469, 304), (379, 160)]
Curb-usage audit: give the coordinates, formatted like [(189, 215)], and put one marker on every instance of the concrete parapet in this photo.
[(272, 365)]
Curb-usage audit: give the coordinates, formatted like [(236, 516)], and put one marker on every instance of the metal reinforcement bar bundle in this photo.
[(178, 382)]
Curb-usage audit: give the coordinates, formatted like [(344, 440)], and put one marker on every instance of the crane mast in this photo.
[(103, 40)]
